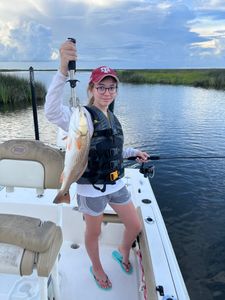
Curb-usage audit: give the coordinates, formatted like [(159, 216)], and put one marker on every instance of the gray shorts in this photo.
[(95, 206)]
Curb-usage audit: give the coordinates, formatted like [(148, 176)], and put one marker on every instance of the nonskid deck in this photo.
[(76, 281)]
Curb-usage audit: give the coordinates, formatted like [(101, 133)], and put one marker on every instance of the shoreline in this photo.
[(205, 78), (16, 90)]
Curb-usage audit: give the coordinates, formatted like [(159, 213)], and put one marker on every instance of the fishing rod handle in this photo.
[(72, 63), (152, 157)]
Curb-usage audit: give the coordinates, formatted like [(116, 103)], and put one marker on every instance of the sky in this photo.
[(118, 33)]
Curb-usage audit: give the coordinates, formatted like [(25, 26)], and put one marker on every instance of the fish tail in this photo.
[(62, 197)]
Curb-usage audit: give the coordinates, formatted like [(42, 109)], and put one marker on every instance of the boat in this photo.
[(42, 252)]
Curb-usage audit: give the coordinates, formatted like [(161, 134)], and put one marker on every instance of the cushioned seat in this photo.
[(26, 244)]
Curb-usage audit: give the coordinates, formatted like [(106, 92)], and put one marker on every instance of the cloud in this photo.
[(98, 3), (210, 5), (138, 36), (122, 33), (209, 25), (213, 47), (25, 41)]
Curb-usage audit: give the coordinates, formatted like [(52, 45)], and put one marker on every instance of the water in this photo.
[(169, 121)]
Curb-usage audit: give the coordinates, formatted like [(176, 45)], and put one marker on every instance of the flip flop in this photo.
[(119, 258), (98, 280)]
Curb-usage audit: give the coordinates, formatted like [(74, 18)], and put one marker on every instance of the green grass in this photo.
[(15, 91), (206, 78)]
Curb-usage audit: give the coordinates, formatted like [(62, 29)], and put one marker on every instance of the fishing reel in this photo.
[(147, 170)]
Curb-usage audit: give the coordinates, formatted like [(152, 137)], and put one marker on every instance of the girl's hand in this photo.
[(142, 156), (68, 51)]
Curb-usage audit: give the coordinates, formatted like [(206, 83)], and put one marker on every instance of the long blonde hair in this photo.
[(91, 98)]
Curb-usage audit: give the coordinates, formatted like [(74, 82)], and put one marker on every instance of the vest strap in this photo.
[(103, 189)]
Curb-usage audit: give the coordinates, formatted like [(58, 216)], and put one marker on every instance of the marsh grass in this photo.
[(15, 91), (206, 78)]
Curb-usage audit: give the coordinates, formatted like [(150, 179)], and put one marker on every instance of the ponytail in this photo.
[(91, 98)]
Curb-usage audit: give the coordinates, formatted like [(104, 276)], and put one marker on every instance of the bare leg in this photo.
[(128, 215), (93, 230)]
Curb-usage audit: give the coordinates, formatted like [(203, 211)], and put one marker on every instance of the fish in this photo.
[(76, 156)]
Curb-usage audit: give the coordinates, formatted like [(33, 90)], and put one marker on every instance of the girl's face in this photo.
[(104, 93)]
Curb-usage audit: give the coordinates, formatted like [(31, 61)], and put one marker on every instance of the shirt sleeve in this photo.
[(128, 152), (55, 111)]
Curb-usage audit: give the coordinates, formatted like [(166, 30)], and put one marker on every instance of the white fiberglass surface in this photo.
[(78, 283), (76, 280), (25, 173)]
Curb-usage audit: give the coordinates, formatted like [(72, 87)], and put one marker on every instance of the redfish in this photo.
[(76, 157)]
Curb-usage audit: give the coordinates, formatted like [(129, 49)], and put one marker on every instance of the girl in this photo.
[(102, 182)]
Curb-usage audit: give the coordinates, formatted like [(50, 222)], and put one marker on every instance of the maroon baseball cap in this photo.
[(98, 74)]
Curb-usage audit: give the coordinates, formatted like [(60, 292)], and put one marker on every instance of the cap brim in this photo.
[(104, 76)]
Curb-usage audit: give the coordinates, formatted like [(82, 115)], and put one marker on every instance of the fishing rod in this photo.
[(148, 170), (157, 157), (72, 80)]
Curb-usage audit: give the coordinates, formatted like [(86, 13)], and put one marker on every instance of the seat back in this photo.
[(30, 163)]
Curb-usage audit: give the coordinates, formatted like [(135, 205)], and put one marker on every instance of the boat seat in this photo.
[(111, 218), (28, 244), (24, 158)]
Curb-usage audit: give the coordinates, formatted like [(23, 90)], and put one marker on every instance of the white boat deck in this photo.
[(76, 281), (78, 265)]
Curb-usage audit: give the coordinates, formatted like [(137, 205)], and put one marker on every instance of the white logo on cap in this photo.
[(105, 69)]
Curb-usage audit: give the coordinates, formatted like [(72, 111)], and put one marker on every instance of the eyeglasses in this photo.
[(101, 89)]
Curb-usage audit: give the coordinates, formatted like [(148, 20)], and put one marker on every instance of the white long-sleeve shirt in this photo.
[(60, 114)]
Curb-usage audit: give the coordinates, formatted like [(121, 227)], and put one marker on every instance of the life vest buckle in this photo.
[(114, 175)]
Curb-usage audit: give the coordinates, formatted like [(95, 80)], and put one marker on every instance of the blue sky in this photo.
[(119, 33)]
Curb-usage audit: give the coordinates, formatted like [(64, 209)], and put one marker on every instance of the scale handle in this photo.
[(72, 63)]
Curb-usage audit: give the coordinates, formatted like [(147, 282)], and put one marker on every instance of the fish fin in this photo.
[(78, 143), (62, 197), (68, 144)]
